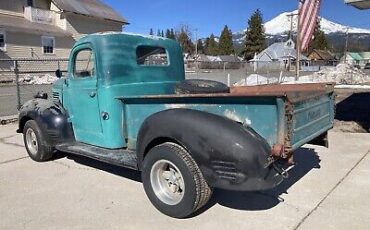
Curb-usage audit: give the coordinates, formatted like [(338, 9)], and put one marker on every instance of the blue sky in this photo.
[(210, 16)]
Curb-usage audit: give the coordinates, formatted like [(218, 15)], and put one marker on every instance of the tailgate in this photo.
[(311, 116)]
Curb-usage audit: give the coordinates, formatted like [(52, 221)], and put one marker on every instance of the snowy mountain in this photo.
[(281, 24), (277, 29)]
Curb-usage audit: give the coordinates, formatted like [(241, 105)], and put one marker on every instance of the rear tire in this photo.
[(35, 143), (199, 86), (173, 181)]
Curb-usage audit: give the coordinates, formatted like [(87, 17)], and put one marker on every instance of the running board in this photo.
[(120, 157)]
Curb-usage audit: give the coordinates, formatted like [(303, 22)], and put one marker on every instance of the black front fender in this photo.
[(51, 118), (230, 155)]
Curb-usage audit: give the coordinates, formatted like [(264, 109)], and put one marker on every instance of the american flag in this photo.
[(308, 16)]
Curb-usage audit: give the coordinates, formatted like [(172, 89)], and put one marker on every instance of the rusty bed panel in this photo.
[(295, 92)]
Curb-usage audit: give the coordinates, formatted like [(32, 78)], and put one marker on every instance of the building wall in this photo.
[(42, 4), (60, 20), (80, 25), (11, 7), (22, 45)]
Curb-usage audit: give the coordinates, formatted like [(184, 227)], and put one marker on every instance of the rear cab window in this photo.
[(151, 56)]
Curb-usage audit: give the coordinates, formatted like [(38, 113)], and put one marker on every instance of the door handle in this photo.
[(92, 94)]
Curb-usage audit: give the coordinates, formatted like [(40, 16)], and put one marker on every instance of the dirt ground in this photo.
[(352, 111)]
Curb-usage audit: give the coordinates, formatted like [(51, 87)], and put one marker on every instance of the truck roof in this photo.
[(125, 58)]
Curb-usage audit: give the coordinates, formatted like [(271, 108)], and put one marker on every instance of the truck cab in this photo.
[(128, 65), (121, 103)]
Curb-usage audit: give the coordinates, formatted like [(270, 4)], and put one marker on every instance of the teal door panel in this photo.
[(82, 97)]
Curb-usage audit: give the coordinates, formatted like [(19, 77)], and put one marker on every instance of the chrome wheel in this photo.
[(31, 142), (167, 182)]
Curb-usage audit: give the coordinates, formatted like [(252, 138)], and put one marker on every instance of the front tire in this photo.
[(35, 143), (173, 181)]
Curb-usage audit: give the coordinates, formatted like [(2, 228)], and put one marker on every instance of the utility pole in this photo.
[(298, 42), (196, 50), (291, 25), (346, 48), (298, 45)]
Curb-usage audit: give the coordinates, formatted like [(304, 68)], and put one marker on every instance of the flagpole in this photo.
[(298, 47)]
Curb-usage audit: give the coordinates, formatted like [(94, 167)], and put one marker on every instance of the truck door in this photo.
[(82, 96)]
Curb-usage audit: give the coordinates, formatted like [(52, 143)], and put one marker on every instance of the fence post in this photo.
[(16, 72)]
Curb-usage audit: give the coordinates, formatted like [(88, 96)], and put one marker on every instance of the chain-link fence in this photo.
[(21, 79), (247, 73)]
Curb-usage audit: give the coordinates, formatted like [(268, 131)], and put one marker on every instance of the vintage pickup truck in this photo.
[(120, 103)]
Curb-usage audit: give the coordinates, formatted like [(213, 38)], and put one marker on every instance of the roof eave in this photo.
[(108, 19)]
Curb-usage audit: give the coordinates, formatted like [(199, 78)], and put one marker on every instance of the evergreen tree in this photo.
[(205, 46), (158, 33), (168, 33), (162, 34), (319, 41), (200, 46), (211, 46), (255, 36), (172, 34), (226, 46), (151, 32), (183, 38)]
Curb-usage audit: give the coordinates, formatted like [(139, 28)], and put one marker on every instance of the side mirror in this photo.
[(58, 73), (41, 95)]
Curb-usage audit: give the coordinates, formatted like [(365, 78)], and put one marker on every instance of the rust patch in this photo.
[(277, 150), (295, 92), (289, 129)]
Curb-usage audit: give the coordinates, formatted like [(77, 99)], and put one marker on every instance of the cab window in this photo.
[(84, 65), (151, 56)]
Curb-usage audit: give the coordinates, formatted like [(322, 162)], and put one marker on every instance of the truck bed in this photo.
[(289, 115)]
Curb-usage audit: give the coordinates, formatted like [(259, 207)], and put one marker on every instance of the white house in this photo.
[(281, 52), (48, 28)]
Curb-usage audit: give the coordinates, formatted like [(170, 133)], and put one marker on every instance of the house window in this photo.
[(84, 64), (2, 40), (48, 44), (151, 56), (29, 3)]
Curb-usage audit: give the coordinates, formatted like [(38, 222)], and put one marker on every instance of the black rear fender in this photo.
[(229, 155)]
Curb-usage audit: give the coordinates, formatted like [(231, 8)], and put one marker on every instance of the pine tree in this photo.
[(172, 34), (168, 33), (211, 46), (200, 46), (226, 46), (319, 41), (158, 33), (255, 36), (183, 38), (162, 34), (151, 32)]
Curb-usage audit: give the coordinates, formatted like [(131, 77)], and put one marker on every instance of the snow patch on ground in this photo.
[(344, 75), (341, 74), (255, 79), (46, 79)]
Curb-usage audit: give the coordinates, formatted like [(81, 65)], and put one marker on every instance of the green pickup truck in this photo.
[(125, 101)]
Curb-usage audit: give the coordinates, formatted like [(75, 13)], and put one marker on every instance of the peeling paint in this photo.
[(232, 116), (247, 121)]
